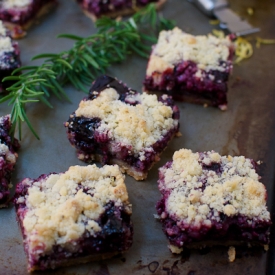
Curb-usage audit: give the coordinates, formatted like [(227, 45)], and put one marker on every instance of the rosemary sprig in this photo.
[(89, 57)]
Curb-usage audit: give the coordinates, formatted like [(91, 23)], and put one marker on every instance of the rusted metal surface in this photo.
[(246, 128)]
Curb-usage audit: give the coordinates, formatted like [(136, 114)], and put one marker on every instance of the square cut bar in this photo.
[(116, 124), (191, 68), (95, 9), (9, 56), (20, 15), (74, 217), (8, 156), (208, 199)]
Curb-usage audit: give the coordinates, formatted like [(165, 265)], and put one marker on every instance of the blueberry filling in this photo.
[(236, 228), (103, 82), (216, 167)]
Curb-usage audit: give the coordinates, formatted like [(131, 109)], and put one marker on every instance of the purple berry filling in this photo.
[(83, 135), (236, 228), (182, 81), (100, 7), (125, 94)]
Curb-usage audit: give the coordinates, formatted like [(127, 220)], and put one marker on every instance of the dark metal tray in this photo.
[(246, 128)]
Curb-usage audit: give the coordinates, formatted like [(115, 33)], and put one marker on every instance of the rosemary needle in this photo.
[(88, 58)]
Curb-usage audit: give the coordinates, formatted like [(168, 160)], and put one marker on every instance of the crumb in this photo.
[(231, 254)]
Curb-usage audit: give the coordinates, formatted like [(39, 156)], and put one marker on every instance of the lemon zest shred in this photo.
[(250, 11), (214, 22), (219, 34), (243, 50), (260, 41)]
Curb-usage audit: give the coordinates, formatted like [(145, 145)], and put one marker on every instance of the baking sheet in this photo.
[(246, 128)]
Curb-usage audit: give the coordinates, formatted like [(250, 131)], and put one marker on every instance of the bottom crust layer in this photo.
[(189, 98), (81, 260)]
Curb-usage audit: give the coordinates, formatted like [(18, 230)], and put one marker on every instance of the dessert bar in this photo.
[(9, 56), (113, 8), (208, 199), (116, 124), (20, 15), (191, 68), (8, 156), (74, 217)]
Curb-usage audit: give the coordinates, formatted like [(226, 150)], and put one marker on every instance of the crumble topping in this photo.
[(174, 249), (62, 207), (4, 150), (7, 4), (203, 185), (2, 29), (5, 45), (174, 46), (136, 126)]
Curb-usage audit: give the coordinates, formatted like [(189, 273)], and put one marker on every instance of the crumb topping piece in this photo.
[(174, 249), (62, 207), (138, 126), (174, 46), (201, 186), (7, 4), (231, 254), (5, 151), (5, 41), (5, 45), (3, 30)]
